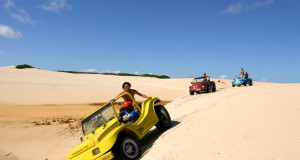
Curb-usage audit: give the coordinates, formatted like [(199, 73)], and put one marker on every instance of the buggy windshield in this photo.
[(97, 119), (239, 77), (202, 79)]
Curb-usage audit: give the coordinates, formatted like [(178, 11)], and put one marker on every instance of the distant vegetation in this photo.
[(23, 66), (116, 74), (121, 74), (75, 72)]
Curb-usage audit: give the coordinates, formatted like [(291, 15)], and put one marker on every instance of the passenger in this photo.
[(130, 114), (242, 72), (246, 75), (126, 86), (204, 76)]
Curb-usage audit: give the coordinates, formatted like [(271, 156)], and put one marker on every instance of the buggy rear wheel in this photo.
[(208, 90), (214, 89)]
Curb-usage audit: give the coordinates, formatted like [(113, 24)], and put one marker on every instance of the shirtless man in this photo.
[(126, 86), (204, 76), (242, 72)]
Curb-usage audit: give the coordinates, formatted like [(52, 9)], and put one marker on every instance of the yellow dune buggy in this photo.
[(107, 136)]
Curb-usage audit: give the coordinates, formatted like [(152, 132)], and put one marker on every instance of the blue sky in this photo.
[(180, 38)]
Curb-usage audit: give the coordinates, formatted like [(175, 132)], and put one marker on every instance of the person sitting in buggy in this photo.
[(128, 114), (246, 76)]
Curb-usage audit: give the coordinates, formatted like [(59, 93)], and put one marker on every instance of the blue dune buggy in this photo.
[(241, 80)]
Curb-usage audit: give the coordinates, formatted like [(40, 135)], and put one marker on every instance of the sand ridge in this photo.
[(34, 86)]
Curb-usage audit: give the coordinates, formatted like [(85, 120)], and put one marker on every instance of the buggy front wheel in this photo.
[(128, 149)]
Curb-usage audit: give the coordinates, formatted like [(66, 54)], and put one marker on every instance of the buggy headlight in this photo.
[(96, 151)]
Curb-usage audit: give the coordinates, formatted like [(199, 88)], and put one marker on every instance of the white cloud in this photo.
[(56, 5), (19, 14), (234, 8), (2, 52), (9, 4), (264, 80), (136, 73), (116, 71), (110, 71), (178, 76), (7, 32), (22, 16), (261, 3), (223, 76), (245, 6), (91, 70)]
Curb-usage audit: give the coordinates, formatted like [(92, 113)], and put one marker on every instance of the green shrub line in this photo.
[(116, 74), (23, 66), (120, 74), (75, 72)]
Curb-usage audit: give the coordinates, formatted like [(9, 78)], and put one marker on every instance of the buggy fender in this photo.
[(148, 117), (106, 142)]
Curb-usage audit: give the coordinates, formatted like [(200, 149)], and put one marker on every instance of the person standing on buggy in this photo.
[(242, 72)]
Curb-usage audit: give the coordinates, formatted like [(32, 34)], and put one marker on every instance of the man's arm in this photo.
[(140, 94), (117, 96)]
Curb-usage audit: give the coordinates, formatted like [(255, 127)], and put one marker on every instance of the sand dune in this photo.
[(258, 122), (34, 86)]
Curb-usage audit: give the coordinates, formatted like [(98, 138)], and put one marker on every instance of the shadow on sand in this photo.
[(150, 138), (220, 88)]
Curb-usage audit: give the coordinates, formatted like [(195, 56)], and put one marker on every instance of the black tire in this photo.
[(233, 85), (250, 83), (128, 148), (191, 93), (198, 92), (164, 118), (208, 90), (214, 89), (245, 83)]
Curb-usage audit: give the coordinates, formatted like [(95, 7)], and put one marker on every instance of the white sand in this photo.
[(258, 122), (34, 86)]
